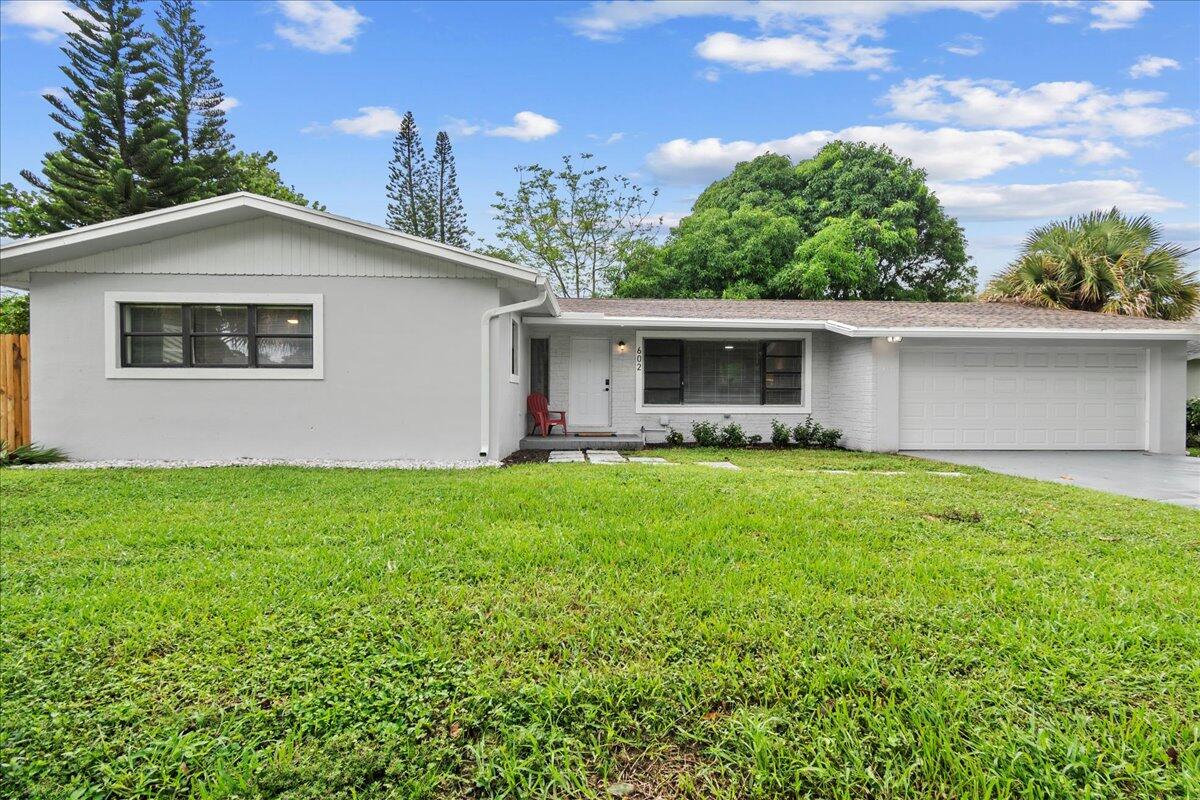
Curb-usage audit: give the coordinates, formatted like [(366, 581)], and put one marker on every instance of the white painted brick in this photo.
[(841, 390)]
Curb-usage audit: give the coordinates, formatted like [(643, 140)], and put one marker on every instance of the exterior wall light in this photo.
[(895, 339), (621, 346)]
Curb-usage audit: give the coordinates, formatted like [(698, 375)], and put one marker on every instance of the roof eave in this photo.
[(586, 318)]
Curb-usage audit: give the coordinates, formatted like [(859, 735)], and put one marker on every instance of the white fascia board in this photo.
[(1020, 333), (577, 318), (569, 318), (17, 258)]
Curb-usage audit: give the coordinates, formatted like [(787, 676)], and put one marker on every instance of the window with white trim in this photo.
[(195, 335), (723, 373)]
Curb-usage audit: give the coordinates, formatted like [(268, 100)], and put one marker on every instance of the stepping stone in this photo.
[(719, 465), (949, 474), (566, 457), (649, 460), (838, 471), (605, 457), (889, 472)]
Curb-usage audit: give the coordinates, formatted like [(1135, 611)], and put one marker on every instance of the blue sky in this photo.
[(1021, 112)]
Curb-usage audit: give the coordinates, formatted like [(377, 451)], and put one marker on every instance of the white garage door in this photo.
[(1025, 397)]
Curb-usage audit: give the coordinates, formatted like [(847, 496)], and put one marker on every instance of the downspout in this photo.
[(485, 366)]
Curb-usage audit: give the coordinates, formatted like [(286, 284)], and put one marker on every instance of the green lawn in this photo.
[(569, 630)]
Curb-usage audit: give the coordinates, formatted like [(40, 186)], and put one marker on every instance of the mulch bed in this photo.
[(526, 457)]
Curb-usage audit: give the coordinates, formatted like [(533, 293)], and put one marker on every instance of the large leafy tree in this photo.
[(194, 97), (1102, 261), (117, 151), (450, 220), (863, 225), (577, 224), (255, 172)]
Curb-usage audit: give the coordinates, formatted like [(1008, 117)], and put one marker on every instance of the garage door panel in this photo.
[(1027, 397)]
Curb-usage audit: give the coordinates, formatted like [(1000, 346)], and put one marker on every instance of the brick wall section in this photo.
[(851, 379), (834, 362)]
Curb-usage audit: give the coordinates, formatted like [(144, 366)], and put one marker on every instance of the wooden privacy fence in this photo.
[(14, 388)]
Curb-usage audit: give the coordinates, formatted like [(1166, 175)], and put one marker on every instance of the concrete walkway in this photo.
[(1171, 479)]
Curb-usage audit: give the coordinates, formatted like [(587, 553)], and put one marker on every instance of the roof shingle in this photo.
[(874, 313)]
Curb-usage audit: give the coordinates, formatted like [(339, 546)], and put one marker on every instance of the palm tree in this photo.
[(1101, 261)]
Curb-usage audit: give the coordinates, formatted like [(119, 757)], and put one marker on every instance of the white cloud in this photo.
[(1114, 14), (1060, 19), (711, 74), (45, 19), (229, 103), (319, 25), (527, 126), (1193, 158), (461, 127), (1060, 107), (606, 21), (1152, 66), (1099, 152), (965, 45), (947, 153), (53, 91), (1034, 200), (798, 53), (371, 121)]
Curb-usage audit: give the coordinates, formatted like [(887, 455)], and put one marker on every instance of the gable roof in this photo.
[(19, 257), (878, 317)]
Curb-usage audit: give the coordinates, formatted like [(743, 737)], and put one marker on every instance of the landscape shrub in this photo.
[(780, 433), (811, 433), (674, 438), (753, 439), (732, 435), (705, 434), (29, 454), (1193, 421), (805, 433), (828, 438)]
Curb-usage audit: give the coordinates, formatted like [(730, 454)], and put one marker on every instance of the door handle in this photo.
[(606, 380)]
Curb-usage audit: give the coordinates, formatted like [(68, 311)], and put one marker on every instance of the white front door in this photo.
[(587, 402)]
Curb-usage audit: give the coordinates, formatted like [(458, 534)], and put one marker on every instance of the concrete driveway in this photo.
[(1171, 479)]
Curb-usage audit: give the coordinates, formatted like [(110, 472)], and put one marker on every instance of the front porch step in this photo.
[(622, 441)]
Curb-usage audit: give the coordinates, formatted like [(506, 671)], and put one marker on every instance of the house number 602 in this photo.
[(637, 360)]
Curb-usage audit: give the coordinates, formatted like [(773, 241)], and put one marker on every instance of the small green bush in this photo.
[(705, 434), (811, 433), (29, 454), (828, 438), (732, 435), (753, 439), (14, 314), (780, 433), (1193, 421), (806, 432), (674, 438)]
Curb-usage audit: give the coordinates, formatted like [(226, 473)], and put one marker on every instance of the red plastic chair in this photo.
[(543, 418)]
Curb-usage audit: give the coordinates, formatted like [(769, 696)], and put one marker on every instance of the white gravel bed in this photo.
[(403, 463)]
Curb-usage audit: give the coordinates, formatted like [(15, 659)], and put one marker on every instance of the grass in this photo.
[(560, 631)]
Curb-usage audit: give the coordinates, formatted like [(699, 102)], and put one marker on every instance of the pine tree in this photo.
[(194, 97), (450, 220), (118, 151), (409, 201)]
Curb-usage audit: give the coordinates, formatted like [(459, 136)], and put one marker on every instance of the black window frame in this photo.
[(680, 370), (187, 334)]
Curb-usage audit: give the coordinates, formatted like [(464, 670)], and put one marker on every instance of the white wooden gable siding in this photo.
[(266, 246)]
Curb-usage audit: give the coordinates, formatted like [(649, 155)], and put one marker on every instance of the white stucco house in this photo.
[(242, 326)]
